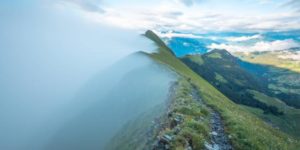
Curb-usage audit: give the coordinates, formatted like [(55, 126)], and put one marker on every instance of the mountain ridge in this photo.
[(247, 131)]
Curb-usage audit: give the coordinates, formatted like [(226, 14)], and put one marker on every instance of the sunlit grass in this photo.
[(271, 58)]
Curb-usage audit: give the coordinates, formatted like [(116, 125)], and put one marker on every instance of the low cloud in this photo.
[(290, 55), (259, 46), (182, 35), (244, 38)]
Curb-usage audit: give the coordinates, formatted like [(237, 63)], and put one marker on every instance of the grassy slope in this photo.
[(289, 122), (223, 71), (268, 100), (246, 130), (144, 131), (195, 119)]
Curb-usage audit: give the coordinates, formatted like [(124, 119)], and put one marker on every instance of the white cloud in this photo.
[(290, 55), (244, 38), (173, 15), (259, 46), (171, 34)]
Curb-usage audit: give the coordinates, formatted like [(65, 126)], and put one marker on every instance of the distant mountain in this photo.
[(187, 43), (249, 84), (223, 71)]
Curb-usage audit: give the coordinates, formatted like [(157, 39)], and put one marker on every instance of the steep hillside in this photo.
[(223, 71), (244, 130), (229, 75)]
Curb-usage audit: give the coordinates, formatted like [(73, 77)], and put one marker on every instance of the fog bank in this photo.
[(48, 58)]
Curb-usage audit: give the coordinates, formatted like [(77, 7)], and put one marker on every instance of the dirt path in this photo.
[(219, 139)]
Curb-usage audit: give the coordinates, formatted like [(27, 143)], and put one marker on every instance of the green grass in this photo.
[(233, 81), (196, 58), (135, 135), (220, 78), (247, 132), (191, 111), (289, 122), (215, 55), (268, 100)]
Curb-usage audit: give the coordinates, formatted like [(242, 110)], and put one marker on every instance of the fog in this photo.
[(109, 101), (69, 84)]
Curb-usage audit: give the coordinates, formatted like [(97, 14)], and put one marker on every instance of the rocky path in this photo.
[(219, 139)]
